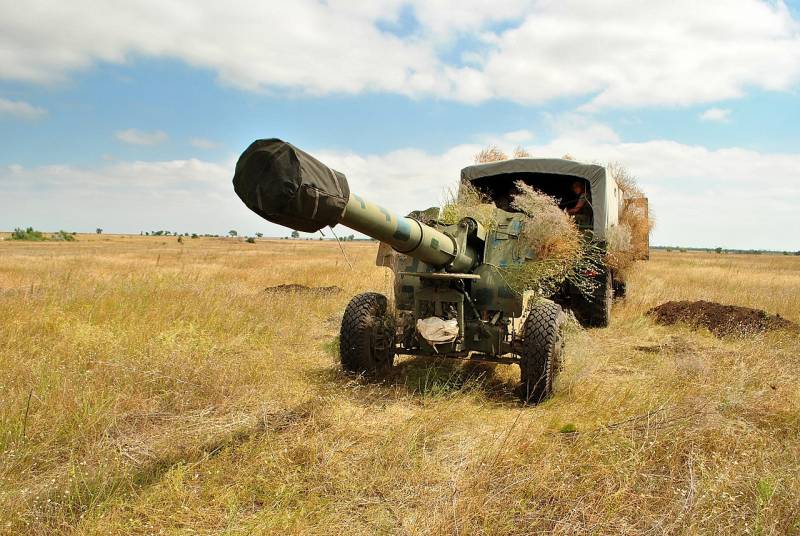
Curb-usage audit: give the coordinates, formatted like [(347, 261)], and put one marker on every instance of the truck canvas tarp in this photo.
[(603, 187)]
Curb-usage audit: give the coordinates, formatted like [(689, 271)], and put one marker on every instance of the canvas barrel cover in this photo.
[(288, 186)]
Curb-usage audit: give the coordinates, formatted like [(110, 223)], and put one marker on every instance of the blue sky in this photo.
[(131, 118)]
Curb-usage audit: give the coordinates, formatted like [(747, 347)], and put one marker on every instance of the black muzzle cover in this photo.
[(288, 186)]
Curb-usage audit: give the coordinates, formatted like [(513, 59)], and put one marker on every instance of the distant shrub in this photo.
[(33, 235), (250, 240), (63, 236), (194, 235), (27, 234)]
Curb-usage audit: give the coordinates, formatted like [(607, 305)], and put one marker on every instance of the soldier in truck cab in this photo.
[(582, 211)]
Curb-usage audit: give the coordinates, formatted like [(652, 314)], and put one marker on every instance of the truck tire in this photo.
[(366, 339), (593, 311), (598, 308), (542, 348), (619, 288)]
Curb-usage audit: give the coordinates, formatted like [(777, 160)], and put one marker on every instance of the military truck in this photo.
[(606, 201), (450, 300)]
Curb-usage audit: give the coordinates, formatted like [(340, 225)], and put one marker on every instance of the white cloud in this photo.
[(177, 195), (633, 53), (203, 143), (518, 136), (730, 197), (138, 137), (721, 115), (20, 109), (613, 53)]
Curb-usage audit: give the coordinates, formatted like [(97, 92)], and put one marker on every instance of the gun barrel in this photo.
[(288, 186), (405, 235)]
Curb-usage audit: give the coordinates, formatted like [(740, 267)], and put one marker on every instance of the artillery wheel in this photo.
[(542, 347), (366, 340)]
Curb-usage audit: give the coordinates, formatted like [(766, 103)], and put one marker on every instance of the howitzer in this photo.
[(450, 298)]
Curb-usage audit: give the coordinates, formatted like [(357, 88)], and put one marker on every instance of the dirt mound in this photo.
[(721, 320), (293, 287)]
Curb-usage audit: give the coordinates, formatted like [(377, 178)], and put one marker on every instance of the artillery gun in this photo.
[(450, 299)]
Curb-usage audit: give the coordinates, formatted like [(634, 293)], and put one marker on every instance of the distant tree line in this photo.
[(32, 234), (721, 251), (233, 233)]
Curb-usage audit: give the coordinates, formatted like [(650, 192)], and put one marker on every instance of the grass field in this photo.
[(150, 386)]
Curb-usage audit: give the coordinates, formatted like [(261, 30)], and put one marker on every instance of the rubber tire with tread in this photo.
[(619, 288), (542, 349), (598, 309), (366, 339)]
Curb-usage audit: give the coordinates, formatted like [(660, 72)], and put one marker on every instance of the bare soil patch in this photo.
[(721, 320), (293, 287)]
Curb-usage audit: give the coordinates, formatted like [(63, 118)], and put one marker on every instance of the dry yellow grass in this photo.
[(148, 386)]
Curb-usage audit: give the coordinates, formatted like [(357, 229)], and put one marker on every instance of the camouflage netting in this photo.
[(557, 250), (468, 202), (561, 252)]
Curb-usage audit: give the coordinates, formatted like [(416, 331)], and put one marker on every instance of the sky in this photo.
[(129, 116)]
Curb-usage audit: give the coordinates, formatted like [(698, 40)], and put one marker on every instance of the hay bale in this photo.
[(635, 215), (619, 249)]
